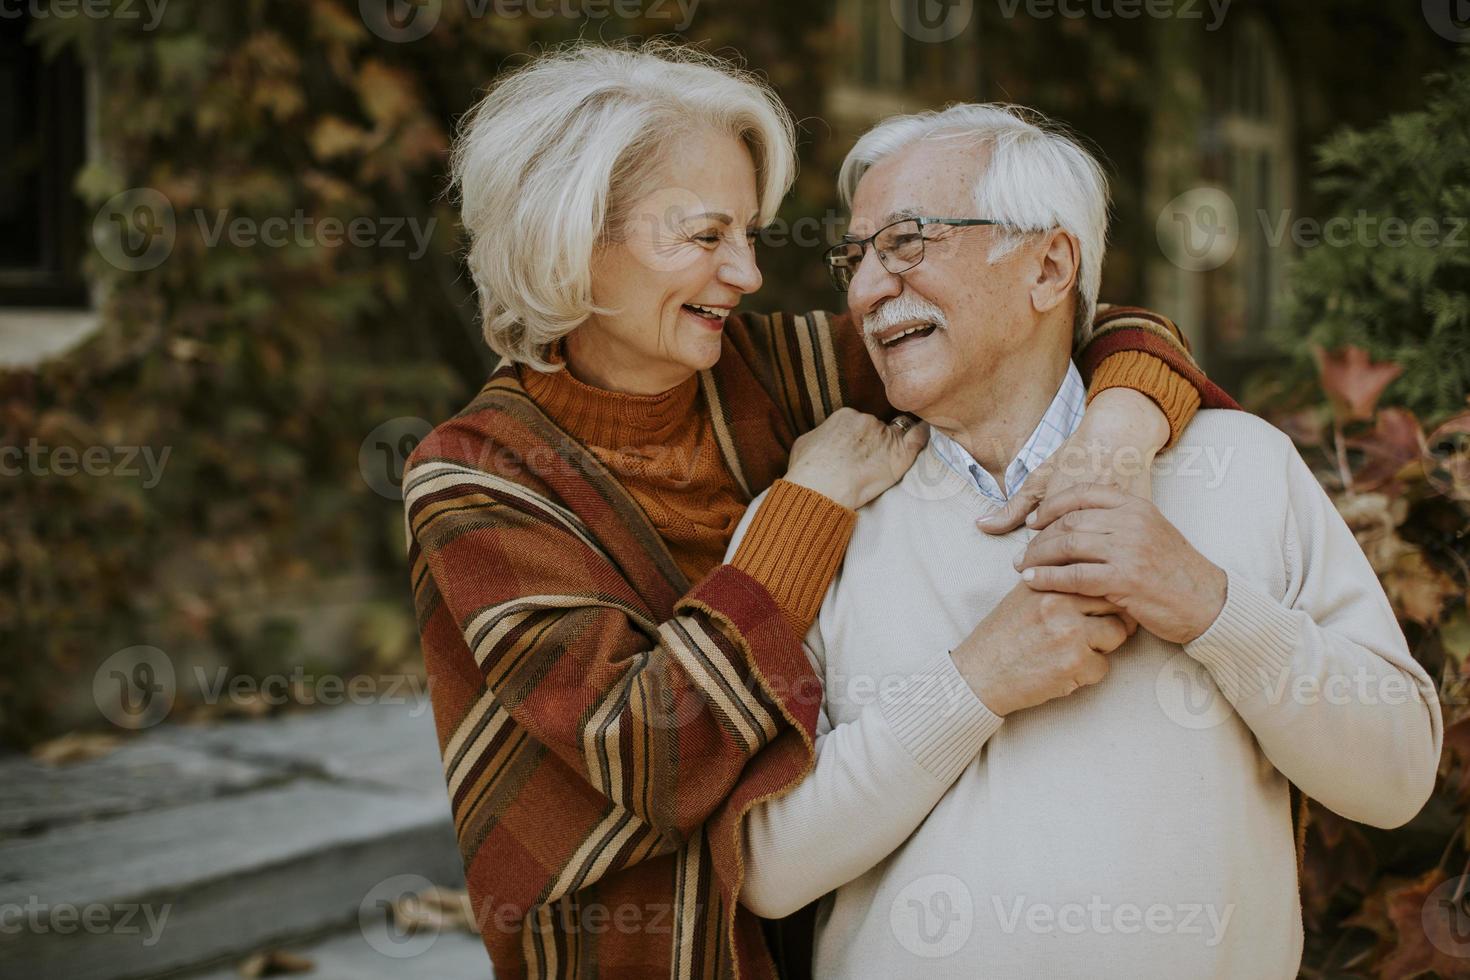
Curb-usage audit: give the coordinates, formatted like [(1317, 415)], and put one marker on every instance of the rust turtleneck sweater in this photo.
[(662, 449)]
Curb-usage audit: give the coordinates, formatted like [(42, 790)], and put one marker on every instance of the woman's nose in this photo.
[(740, 269)]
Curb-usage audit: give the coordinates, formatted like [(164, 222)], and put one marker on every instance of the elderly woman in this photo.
[(610, 697)]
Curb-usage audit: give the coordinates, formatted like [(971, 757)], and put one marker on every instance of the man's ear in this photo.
[(1057, 273)]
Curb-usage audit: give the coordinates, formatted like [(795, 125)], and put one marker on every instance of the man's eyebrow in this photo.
[(893, 216), (886, 220)]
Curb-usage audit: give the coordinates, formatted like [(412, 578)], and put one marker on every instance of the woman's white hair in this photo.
[(547, 164), (1039, 177)]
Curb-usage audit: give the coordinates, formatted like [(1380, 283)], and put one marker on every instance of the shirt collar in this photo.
[(1058, 422)]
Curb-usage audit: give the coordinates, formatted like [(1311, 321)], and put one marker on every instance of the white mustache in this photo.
[(906, 307)]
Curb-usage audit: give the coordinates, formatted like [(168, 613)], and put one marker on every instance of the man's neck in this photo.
[(994, 426)]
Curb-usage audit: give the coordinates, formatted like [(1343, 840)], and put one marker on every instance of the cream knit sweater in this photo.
[(1139, 828)]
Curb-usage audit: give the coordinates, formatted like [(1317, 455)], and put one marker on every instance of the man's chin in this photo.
[(908, 394)]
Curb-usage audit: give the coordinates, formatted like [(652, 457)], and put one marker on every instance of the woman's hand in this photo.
[(852, 457), (1121, 433)]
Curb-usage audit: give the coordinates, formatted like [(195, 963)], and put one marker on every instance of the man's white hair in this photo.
[(548, 163), (1039, 178)]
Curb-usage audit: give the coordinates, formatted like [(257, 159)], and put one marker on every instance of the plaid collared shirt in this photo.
[(1057, 424)]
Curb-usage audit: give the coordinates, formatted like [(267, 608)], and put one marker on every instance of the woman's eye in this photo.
[(708, 239)]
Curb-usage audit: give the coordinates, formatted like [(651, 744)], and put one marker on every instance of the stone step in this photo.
[(376, 952), (198, 844)]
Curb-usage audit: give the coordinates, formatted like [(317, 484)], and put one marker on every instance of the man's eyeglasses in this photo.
[(900, 247)]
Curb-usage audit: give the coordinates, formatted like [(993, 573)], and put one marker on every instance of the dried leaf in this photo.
[(435, 909), (1418, 589), (387, 93), (75, 747), (275, 963), (333, 137), (1395, 442), (1430, 926), (1353, 382)]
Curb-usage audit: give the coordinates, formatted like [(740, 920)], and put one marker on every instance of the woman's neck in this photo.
[(598, 364)]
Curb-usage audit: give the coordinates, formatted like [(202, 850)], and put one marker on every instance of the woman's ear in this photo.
[(1061, 259)]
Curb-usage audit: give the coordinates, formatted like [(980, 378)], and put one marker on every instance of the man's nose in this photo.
[(871, 285)]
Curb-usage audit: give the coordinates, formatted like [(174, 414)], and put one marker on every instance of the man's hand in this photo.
[(1037, 646), (1099, 541), (1121, 433)]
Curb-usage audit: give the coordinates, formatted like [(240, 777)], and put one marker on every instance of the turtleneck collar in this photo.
[(609, 419)]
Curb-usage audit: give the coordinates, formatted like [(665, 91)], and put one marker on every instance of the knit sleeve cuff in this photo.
[(938, 718), (1249, 644), (793, 547), (1176, 397)]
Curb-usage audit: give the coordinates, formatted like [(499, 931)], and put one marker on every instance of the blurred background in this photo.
[(232, 300)]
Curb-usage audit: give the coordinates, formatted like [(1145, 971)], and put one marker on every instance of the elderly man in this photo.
[(1044, 794)]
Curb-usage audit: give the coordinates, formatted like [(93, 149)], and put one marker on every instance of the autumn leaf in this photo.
[(1418, 589), (274, 963), (75, 747), (436, 910), (387, 93), (1396, 441), (1353, 382), (333, 136), (1432, 928), (1374, 519)]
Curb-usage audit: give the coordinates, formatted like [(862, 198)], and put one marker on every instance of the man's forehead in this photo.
[(924, 179)]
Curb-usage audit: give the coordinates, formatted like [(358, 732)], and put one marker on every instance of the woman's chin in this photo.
[(700, 353)]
